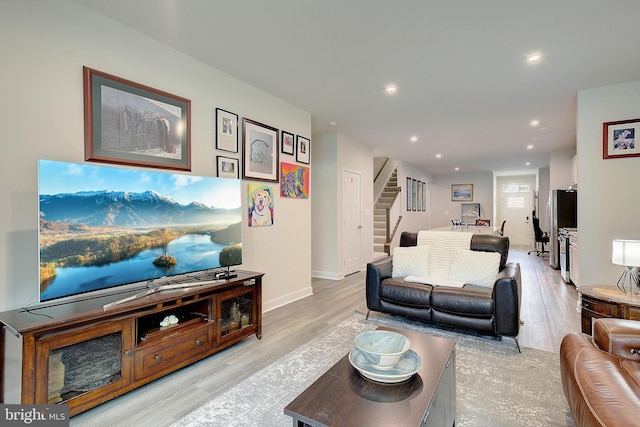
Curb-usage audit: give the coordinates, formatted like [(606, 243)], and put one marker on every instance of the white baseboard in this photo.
[(326, 275), (286, 299)]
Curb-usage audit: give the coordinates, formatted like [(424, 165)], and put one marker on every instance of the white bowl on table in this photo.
[(382, 349)]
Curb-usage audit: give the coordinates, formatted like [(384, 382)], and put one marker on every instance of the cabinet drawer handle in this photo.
[(198, 342), (633, 351), (159, 358), (128, 353)]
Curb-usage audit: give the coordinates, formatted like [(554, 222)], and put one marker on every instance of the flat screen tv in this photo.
[(102, 227)]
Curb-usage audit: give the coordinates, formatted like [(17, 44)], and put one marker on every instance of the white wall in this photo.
[(444, 210), (608, 202), (335, 153), (560, 168), (543, 197), (44, 46), (325, 216)]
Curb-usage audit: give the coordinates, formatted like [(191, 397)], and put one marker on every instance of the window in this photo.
[(515, 188)]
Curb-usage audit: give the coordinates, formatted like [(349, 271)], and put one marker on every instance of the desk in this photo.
[(475, 229), (606, 301)]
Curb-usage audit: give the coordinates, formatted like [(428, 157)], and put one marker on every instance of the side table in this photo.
[(606, 301)]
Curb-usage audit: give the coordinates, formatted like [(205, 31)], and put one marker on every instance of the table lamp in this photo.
[(627, 253)]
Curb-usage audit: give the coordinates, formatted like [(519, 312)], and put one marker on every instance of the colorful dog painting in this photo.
[(294, 181), (260, 205)]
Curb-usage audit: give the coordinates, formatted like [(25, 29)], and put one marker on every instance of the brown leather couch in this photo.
[(601, 375), (491, 311)]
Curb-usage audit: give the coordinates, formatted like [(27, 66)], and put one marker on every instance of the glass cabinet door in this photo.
[(81, 365), (237, 313)]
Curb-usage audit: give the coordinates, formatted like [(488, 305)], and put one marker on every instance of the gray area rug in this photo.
[(496, 385)]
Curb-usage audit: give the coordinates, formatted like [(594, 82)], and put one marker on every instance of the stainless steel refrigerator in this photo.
[(563, 213)]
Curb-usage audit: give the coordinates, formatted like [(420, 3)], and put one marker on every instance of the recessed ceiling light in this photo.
[(534, 57), (333, 124), (457, 168), (391, 89), (413, 139), (438, 156), (534, 123), (530, 147), (528, 164)]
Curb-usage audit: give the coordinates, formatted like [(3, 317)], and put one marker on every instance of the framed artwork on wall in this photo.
[(424, 196), (227, 167), (414, 194), (409, 191), (287, 142), (260, 211), (132, 124), (259, 151), (226, 130), (294, 181), (461, 192), (303, 150), (620, 139)]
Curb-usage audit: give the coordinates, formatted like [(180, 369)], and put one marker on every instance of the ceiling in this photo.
[(464, 86)]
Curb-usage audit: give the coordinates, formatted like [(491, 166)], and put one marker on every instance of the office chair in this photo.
[(501, 232), (541, 236)]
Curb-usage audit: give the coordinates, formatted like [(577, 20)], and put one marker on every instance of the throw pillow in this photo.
[(410, 261), (474, 267)]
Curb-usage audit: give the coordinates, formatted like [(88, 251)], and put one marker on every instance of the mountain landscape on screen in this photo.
[(123, 226)]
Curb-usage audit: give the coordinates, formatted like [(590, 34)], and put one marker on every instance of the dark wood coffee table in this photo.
[(343, 397)]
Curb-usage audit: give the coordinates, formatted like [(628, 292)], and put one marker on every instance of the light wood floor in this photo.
[(548, 312)]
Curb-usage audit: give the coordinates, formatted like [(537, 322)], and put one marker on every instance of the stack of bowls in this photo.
[(382, 349)]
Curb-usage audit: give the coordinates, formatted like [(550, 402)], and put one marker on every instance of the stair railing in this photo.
[(393, 217)]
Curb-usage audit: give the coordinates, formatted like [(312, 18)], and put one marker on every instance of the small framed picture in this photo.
[(303, 150), (260, 152), (287, 143), (620, 139), (461, 192), (227, 167), (226, 130), (294, 181)]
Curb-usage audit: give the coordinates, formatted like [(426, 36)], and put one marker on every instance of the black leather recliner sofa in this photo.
[(492, 311)]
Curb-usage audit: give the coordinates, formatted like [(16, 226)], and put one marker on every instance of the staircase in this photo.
[(380, 244)]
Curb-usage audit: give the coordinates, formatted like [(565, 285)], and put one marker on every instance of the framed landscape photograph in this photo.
[(227, 167), (303, 150), (409, 191), (462, 192), (414, 194), (287, 143), (226, 130), (132, 124), (620, 139), (260, 151), (424, 196)]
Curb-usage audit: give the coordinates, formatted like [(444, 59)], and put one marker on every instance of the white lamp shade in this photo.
[(626, 252)]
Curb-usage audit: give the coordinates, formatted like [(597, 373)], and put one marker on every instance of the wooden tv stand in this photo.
[(82, 354)]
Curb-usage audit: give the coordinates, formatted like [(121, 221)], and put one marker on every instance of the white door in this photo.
[(352, 222), (516, 210)]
